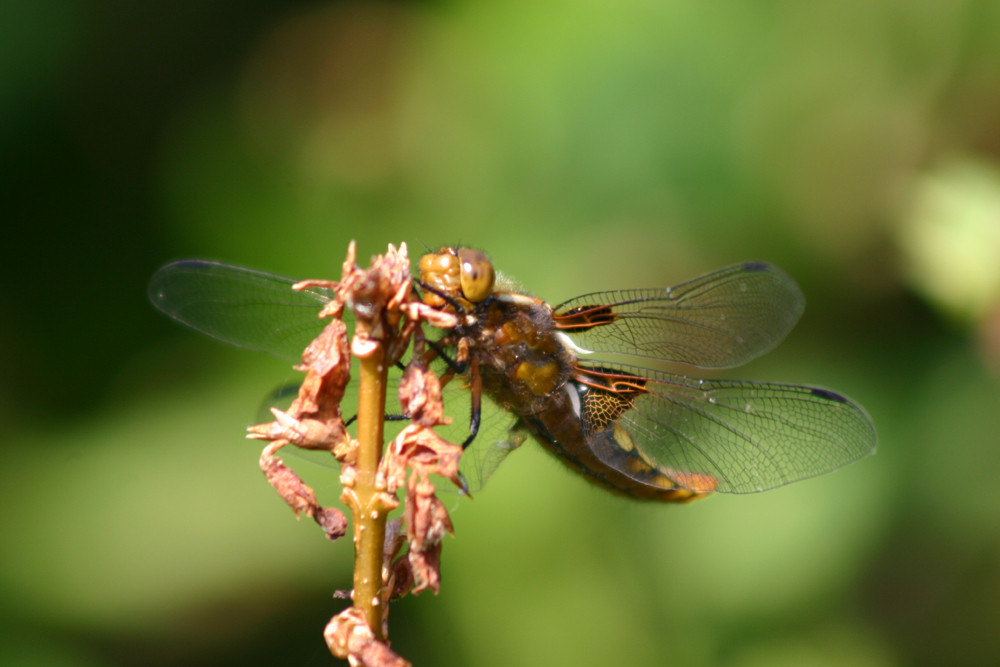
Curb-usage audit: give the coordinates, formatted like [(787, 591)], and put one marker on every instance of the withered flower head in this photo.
[(388, 316)]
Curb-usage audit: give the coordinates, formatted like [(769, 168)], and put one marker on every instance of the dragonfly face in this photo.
[(577, 376)]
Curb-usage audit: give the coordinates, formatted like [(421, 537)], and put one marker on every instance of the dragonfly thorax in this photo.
[(522, 360)]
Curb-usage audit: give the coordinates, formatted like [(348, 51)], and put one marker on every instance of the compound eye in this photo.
[(476, 274)]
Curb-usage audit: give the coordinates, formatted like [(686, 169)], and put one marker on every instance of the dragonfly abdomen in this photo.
[(603, 456)]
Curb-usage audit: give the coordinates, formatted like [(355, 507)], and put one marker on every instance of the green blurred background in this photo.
[(585, 146)]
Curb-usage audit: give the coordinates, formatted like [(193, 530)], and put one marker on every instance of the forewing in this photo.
[(746, 436), (719, 320), (247, 308), (260, 311)]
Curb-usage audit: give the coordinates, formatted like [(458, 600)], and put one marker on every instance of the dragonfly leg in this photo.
[(476, 409), (454, 365), (388, 418)]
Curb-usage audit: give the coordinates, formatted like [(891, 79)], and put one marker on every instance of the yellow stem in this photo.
[(370, 524)]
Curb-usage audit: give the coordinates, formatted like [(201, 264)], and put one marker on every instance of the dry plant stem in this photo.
[(370, 523)]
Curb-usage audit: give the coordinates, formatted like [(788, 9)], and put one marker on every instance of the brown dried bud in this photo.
[(420, 395), (425, 568), (349, 637), (427, 522), (425, 452), (305, 433), (332, 521)]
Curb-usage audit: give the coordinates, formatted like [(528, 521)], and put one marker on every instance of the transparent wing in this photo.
[(247, 308), (260, 311), (719, 320), (498, 436), (746, 436)]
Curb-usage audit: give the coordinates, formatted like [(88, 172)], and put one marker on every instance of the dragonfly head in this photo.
[(463, 275)]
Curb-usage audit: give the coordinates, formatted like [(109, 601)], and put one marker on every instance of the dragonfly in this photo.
[(589, 379)]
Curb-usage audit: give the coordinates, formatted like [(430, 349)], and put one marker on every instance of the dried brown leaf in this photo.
[(425, 569), (427, 522), (299, 496)]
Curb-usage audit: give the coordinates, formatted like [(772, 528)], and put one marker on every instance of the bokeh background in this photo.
[(586, 146)]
